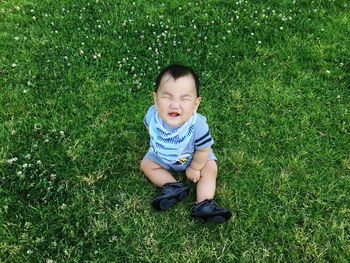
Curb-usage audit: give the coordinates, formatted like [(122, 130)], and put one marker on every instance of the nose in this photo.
[(174, 104)]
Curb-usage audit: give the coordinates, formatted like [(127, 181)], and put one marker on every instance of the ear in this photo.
[(155, 99), (197, 102)]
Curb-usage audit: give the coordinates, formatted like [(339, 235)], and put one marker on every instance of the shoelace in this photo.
[(168, 188)]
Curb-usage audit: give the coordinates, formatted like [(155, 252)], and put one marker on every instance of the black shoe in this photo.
[(209, 211), (170, 194)]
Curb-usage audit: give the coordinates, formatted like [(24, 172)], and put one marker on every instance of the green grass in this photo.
[(75, 82)]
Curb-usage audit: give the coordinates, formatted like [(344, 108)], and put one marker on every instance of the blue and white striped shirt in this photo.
[(200, 137)]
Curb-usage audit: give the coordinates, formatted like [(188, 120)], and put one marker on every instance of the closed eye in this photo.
[(187, 97)]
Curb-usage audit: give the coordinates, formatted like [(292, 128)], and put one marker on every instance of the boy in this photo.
[(180, 141)]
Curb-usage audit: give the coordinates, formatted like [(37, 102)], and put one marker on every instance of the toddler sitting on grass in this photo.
[(180, 141)]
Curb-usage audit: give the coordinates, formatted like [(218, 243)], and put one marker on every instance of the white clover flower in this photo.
[(38, 162), (62, 133), (328, 72), (27, 156), (34, 17), (25, 165), (16, 38), (10, 161), (19, 173), (14, 65), (25, 91)]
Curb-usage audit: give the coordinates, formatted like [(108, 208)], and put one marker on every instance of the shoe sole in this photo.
[(218, 219), (165, 204)]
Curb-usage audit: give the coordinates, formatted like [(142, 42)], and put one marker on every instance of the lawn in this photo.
[(76, 79)]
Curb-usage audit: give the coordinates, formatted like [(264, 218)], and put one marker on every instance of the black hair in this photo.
[(177, 71)]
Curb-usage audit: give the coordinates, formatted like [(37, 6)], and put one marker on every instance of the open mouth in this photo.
[(174, 114)]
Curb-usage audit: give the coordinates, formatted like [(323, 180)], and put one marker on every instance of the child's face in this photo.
[(176, 100)]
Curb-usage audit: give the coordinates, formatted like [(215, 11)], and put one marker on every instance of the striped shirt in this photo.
[(200, 138)]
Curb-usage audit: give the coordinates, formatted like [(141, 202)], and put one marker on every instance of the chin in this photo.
[(174, 124)]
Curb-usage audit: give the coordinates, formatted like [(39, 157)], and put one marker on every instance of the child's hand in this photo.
[(193, 175)]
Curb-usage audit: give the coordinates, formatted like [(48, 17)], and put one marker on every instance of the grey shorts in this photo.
[(174, 167)]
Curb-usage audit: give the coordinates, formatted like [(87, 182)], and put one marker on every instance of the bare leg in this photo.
[(155, 173), (206, 185)]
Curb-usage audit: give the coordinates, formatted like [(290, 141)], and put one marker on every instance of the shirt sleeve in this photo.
[(203, 138), (149, 114)]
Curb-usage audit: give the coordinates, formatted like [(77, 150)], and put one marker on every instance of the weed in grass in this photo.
[(75, 84)]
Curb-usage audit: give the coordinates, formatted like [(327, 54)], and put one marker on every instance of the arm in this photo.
[(202, 144), (200, 158)]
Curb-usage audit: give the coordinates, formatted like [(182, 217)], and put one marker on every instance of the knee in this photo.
[(213, 166), (143, 165), (210, 169), (146, 166)]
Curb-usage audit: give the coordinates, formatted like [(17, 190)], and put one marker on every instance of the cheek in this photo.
[(189, 108), (163, 103)]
